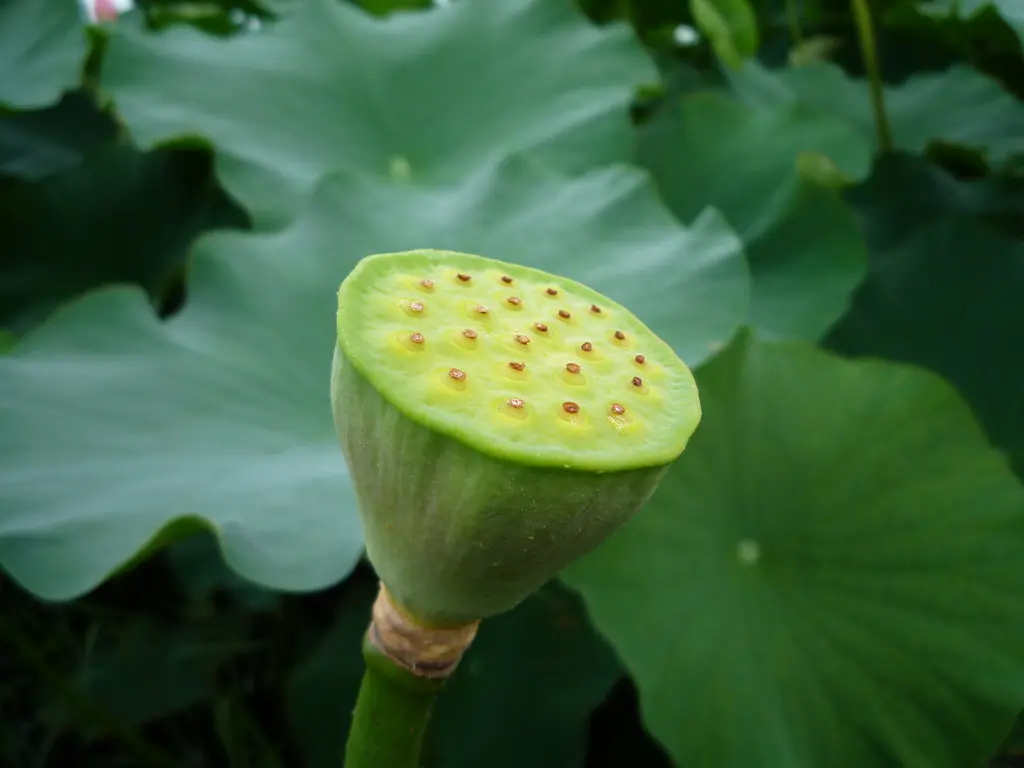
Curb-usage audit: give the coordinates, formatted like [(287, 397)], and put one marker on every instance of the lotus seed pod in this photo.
[(498, 422)]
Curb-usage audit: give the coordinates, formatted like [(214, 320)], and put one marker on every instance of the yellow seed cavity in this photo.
[(469, 333), (516, 365), (541, 327), (515, 408), (514, 301), (551, 292), (508, 280), (570, 407), (564, 314), (572, 367), (457, 374), (416, 338), (464, 278), (522, 339), (428, 284), (586, 346)]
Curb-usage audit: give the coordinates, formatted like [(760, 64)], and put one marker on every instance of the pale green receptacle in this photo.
[(498, 422)]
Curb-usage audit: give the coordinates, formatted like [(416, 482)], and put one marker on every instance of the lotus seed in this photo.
[(563, 314), (515, 402), (463, 278), (637, 381), (572, 367), (515, 301), (506, 279), (617, 409), (481, 309), (456, 374), (469, 333), (586, 346), (522, 339), (540, 327), (570, 407), (552, 292), (595, 309), (416, 338), (640, 359), (516, 366), (416, 306), (428, 284), (620, 335)]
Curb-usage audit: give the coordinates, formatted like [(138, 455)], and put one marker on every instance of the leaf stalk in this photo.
[(869, 51)]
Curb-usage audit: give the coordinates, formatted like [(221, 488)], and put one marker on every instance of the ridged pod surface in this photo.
[(498, 422)]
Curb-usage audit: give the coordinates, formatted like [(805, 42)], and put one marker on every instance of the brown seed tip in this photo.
[(640, 359), (516, 366), (463, 278), (617, 409), (506, 279), (552, 292), (522, 339), (456, 374), (481, 309), (637, 381), (427, 283), (620, 335), (572, 367), (416, 338), (586, 346), (515, 301), (570, 407), (469, 333), (563, 314), (416, 306), (540, 327), (595, 309), (515, 402)]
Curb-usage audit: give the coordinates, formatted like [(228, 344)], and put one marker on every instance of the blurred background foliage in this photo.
[(183, 187)]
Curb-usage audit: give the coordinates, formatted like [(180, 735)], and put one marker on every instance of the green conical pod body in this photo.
[(498, 422)]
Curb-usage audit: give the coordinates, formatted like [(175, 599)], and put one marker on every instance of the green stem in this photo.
[(866, 33), (391, 716), (793, 17)]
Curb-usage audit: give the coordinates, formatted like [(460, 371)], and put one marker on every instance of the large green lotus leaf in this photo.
[(945, 287), (40, 142), (1012, 11), (772, 172), (42, 45), (147, 669), (116, 424), (832, 569), (418, 95), (958, 106), (119, 216), (491, 713)]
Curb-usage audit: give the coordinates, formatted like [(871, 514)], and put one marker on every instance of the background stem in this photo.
[(146, 753), (391, 716), (866, 33), (793, 18)]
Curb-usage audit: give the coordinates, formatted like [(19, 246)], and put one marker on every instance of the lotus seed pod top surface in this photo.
[(515, 362)]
